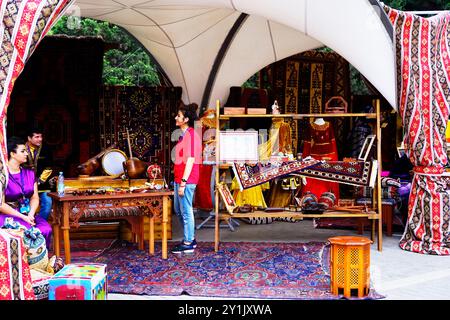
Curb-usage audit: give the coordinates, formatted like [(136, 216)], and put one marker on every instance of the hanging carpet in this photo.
[(351, 173)]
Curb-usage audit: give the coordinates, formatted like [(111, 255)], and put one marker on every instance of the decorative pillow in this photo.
[(308, 200), (36, 249), (327, 200), (40, 283)]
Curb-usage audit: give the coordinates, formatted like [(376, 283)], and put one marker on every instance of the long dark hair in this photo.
[(12, 144), (189, 111)]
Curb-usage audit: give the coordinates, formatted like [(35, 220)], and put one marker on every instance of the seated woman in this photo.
[(21, 199)]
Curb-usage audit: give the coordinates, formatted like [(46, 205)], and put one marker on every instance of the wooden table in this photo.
[(68, 210)]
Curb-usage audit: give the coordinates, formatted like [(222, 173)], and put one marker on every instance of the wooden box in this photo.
[(234, 110), (346, 202), (256, 111), (79, 281)]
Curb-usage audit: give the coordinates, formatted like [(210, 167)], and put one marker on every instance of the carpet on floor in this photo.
[(86, 248), (237, 270)]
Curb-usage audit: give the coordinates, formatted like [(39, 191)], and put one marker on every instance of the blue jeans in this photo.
[(46, 205), (184, 211)]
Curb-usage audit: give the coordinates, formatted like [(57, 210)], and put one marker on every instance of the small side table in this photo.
[(350, 266)]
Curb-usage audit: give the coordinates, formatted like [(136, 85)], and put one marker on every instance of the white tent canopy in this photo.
[(207, 46)]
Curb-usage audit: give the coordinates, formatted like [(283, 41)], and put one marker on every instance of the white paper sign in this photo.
[(238, 146)]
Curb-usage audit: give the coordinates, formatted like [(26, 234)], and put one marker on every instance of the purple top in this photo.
[(13, 191)]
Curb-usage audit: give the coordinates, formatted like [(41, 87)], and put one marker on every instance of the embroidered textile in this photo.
[(351, 173), (253, 196), (250, 175), (291, 93), (423, 80), (15, 279), (321, 145), (24, 25), (148, 113), (40, 284)]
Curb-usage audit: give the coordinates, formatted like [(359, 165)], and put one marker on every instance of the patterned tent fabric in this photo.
[(423, 79), (15, 277), (24, 24)]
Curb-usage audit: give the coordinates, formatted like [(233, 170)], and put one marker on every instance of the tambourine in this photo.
[(112, 162), (154, 171)]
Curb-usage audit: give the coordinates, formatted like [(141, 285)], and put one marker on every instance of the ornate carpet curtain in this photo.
[(423, 79), (24, 25)]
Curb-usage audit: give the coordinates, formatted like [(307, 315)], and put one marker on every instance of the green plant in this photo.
[(127, 64)]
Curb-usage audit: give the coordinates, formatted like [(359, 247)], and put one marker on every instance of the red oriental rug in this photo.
[(358, 173), (237, 270), (86, 248)]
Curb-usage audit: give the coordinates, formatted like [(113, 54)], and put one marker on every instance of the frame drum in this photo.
[(112, 162)]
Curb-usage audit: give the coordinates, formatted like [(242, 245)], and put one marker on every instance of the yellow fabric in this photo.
[(253, 196), (279, 140), (279, 198), (208, 119), (45, 174), (31, 151)]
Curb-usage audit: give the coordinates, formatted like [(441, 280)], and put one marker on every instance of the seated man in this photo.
[(40, 160)]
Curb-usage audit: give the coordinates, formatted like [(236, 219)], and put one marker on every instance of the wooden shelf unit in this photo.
[(300, 116), (373, 215)]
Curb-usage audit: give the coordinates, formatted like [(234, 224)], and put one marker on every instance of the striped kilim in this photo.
[(15, 276), (423, 80), (24, 24)]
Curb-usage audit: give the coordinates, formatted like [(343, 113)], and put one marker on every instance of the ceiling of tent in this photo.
[(207, 46)]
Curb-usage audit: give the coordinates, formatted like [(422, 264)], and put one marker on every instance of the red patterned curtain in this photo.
[(24, 24), (423, 79)]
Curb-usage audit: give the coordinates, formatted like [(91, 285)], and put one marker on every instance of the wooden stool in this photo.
[(350, 266)]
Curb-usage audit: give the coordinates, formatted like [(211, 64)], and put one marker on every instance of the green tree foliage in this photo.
[(126, 64), (418, 5)]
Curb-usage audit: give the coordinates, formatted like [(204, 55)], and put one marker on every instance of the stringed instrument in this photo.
[(133, 167), (90, 166)]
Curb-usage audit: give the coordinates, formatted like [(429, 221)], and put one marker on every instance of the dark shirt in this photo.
[(41, 159)]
